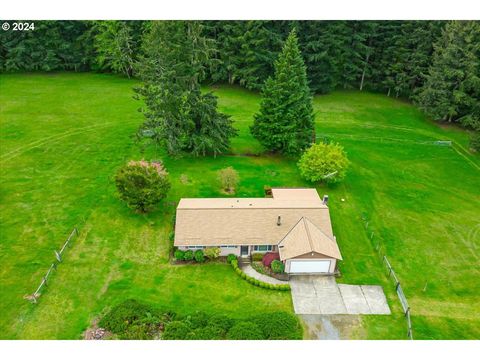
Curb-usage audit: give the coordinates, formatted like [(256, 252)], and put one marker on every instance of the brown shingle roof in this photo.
[(305, 237), (253, 221)]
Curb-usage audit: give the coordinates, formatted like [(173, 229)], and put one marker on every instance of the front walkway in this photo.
[(322, 295), (250, 271)]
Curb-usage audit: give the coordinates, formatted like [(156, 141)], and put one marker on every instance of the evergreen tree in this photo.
[(452, 88), (285, 122), (261, 42), (321, 43), (117, 45), (177, 113)]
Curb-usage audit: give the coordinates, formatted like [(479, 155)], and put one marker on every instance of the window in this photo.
[(195, 247), (262, 248), (229, 246)]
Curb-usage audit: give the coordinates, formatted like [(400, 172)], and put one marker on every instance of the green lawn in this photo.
[(64, 135)]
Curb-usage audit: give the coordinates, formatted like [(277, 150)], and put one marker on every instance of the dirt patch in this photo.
[(96, 333), (330, 327)]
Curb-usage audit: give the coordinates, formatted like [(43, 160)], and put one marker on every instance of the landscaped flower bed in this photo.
[(257, 282)]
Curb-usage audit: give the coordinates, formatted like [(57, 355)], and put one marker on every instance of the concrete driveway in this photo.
[(322, 295)]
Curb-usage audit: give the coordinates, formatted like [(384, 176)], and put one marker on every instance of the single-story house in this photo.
[(293, 222)]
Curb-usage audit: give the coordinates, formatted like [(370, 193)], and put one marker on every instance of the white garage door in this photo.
[(316, 266)]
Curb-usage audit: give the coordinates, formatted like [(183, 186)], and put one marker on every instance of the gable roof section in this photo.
[(306, 237)]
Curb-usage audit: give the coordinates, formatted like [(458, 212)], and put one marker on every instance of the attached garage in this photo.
[(309, 266), (308, 250)]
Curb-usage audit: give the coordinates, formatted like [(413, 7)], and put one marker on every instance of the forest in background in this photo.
[(432, 63)]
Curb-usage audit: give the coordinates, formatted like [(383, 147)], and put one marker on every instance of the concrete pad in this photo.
[(376, 299), (321, 295), (306, 305), (354, 299), (330, 299)]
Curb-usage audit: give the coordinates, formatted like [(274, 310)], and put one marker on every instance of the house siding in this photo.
[(224, 251)]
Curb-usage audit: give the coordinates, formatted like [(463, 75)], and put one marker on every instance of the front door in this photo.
[(244, 250)]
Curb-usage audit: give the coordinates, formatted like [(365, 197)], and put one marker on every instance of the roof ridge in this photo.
[(289, 231), (328, 237), (309, 237)]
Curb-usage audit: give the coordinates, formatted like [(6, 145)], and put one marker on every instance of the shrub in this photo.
[(323, 163), (134, 320), (257, 256), (171, 236), (179, 254), (221, 322), (199, 256), (212, 252), (269, 257), (277, 266), (245, 330), (228, 179), (198, 319), (231, 257), (209, 332), (278, 325), (177, 330), (475, 141), (188, 255), (142, 184)]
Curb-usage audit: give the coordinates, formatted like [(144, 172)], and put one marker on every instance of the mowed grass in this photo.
[(64, 135)]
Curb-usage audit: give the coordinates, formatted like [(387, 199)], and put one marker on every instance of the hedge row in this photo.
[(133, 320), (257, 282)]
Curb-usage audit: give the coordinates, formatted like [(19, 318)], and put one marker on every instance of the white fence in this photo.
[(58, 255), (392, 276)]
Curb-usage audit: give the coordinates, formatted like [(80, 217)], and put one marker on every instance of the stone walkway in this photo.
[(322, 295), (250, 271)]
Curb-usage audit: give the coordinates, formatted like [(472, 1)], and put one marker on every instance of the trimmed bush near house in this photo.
[(199, 256), (179, 255), (188, 256), (231, 257), (212, 252), (277, 266), (257, 257)]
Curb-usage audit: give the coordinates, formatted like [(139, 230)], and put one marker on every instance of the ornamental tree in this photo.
[(142, 184), (229, 179), (323, 163)]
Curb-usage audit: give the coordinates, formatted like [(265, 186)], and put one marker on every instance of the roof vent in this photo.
[(279, 220), (325, 199)]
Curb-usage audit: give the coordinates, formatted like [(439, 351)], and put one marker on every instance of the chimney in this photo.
[(279, 220), (325, 200)]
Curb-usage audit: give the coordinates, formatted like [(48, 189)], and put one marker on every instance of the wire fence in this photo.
[(391, 276), (58, 255)]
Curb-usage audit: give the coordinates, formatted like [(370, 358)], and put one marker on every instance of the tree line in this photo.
[(433, 63)]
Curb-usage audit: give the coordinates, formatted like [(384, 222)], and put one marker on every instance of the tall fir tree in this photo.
[(285, 122), (178, 115), (452, 89), (117, 44)]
